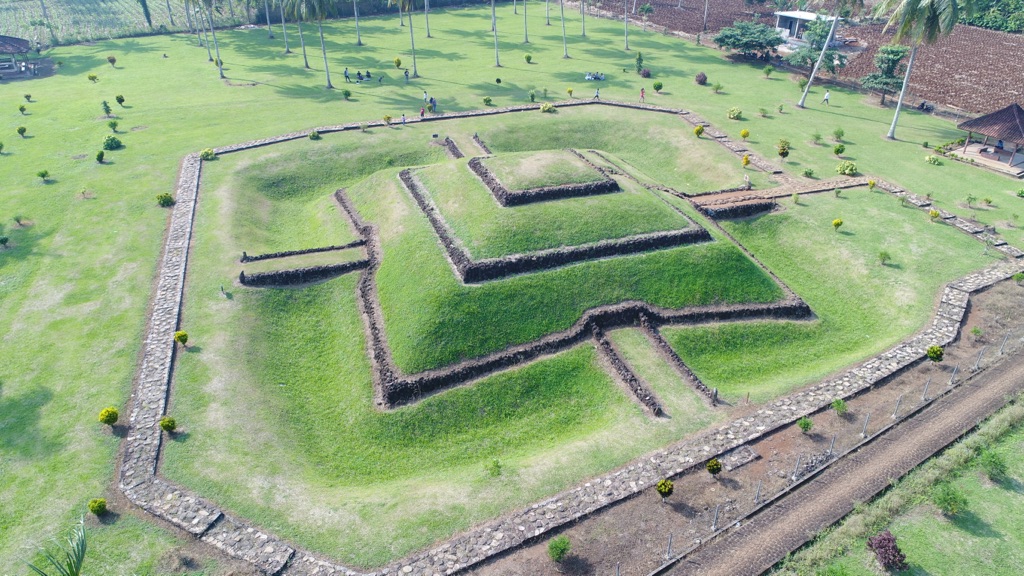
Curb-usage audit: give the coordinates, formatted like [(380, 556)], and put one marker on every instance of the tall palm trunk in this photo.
[(401, 19), (355, 11), (426, 16), (583, 16), (515, 8), (547, 11), (412, 42), (170, 15), (284, 28), (565, 45), (903, 91), (302, 41), (494, 27), (206, 36), (821, 57), (323, 48), (625, 19), (213, 31), (231, 9), (188, 19), (526, 26), (266, 9), (704, 27)]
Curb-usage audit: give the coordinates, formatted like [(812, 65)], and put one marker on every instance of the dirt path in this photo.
[(764, 540)]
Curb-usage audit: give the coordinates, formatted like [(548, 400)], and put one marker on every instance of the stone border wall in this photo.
[(271, 255), (453, 148), (140, 450), (737, 210), (507, 197), (640, 390), (669, 355), (300, 275)]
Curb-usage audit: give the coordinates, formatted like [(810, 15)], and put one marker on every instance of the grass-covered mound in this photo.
[(488, 230), (529, 170)]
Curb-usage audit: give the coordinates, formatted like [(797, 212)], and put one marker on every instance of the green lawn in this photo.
[(489, 230), (862, 306), (76, 279)]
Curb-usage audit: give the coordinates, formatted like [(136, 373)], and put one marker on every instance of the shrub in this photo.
[(106, 108), (569, 92), (935, 353), (839, 405), (780, 108), (746, 160), (934, 215), (28, 97), (547, 107), (884, 257), (837, 223), (657, 86), (714, 467), (796, 198), (768, 70), (3, 241), (112, 60), (1020, 193), (639, 62), (993, 464), (44, 175), (22, 109), (1, 147), (430, 107), (109, 416), (744, 133), (314, 135), (847, 168), (99, 156), (838, 134), (398, 62), (871, 185), (168, 424), (717, 87), (112, 142), (1018, 278), (559, 547), (93, 78), (949, 498), (497, 80), (838, 149), (112, 125), (986, 201), (698, 130), (763, 112), (98, 506), (119, 99), (932, 159), (346, 93), (701, 78), (734, 113), (664, 488), (924, 144), (528, 58), (165, 200), (181, 337), (887, 552), (816, 138), (387, 120), (645, 73), (487, 100), (805, 424), (837, 191), (802, 82), (533, 95), (808, 172), (783, 148), (21, 131), (207, 154), (494, 468)]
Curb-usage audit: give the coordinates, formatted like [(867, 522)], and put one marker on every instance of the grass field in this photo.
[(530, 170), (77, 275)]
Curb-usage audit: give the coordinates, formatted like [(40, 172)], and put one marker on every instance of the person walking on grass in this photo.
[(403, 118), (347, 79), (825, 99), (406, 75), (643, 94), (597, 94)]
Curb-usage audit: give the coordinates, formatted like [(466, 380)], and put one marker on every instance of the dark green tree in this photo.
[(807, 56), (889, 78), (750, 39)]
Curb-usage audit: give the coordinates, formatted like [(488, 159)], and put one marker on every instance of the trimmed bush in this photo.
[(838, 134), (734, 113), (887, 552), (746, 160), (665, 488), (559, 547), (934, 214), (717, 87), (698, 130), (398, 62), (165, 200), (805, 424), (533, 95), (181, 337), (837, 223), (528, 58), (93, 78), (547, 107), (645, 73), (98, 506), (207, 154), (808, 172), (993, 464), (847, 168), (314, 135), (744, 133), (701, 78), (109, 416), (569, 92), (99, 156), (657, 86), (838, 149), (168, 424), (839, 405), (119, 99), (346, 93), (949, 498), (21, 131), (768, 71), (932, 159), (112, 60), (113, 124), (872, 185), (713, 466), (487, 100), (106, 108), (387, 120), (935, 353), (112, 142), (22, 109)]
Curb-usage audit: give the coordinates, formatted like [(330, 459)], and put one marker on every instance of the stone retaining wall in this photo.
[(453, 148), (354, 244), (673, 359), (507, 197), (300, 275), (640, 390), (737, 210)]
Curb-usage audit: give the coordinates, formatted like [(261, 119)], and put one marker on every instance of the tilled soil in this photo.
[(633, 535)]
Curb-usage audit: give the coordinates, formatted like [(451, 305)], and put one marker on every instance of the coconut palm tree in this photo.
[(526, 26), (266, 10), (921, 22), (213, 32), (355, 11), (547, 11), (645, 12), (319, 9), (625, 18), (170, 15), (284, 28), (494, 28), (583, 16), (298, 9), (426, 17), (841, 6), (408, 6), (71, 557), (565, 46)]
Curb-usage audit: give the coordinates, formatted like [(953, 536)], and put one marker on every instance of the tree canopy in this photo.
[(815, 34), (889, 77), (750, 39)]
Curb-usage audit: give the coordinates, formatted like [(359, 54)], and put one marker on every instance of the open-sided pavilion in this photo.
[(1005, 128)]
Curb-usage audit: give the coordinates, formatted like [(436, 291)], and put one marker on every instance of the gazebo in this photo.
[(9, 47), (1006, 126)]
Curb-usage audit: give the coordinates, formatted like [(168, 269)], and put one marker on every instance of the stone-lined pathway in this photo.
[(140, 451)]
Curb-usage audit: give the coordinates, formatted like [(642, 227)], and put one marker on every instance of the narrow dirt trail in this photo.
[(762, 541)]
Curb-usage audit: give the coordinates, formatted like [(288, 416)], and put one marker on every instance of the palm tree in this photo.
[(201, 19), (213, 32), (284, 28), (625, 18), (920, 21), (494, 28), (355, 10), (583, 16), (188, 20), (266, 10), (565, 47), (299, 10), (72, 556), (526, 26), (645, 12), (547, 11), (170, 15), (408, 5), (841, 6), (426, 18), (319, 8)]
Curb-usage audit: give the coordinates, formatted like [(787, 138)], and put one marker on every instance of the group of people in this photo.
[(595, 76), (360, 77)]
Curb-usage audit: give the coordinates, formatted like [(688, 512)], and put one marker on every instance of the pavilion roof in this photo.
[(12, 45), (1006, 124)]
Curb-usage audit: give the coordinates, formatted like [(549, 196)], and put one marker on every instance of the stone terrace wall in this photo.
[(507, 197), (300, 275), (270, 255)]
